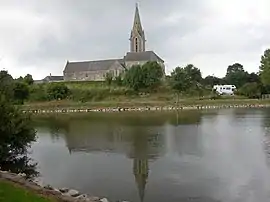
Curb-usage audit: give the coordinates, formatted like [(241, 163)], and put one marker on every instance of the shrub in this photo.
[(57, 91)]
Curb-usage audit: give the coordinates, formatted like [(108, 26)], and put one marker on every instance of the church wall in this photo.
[(99, 75), (85, 76)]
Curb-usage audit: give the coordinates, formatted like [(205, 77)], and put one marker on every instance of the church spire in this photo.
[(137, 38)]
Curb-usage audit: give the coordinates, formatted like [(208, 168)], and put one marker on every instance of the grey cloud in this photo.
[(100, 28), (90, 29)]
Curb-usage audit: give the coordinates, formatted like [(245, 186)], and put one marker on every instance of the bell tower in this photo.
[(137, 37)]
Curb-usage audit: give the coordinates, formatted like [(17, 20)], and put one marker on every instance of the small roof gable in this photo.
[(142, 56), (53, 78), (91, 65)]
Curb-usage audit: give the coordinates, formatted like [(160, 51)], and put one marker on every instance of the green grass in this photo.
[(139, 103), (13, 193)]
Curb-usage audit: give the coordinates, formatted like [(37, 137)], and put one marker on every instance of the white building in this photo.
[(224, 89)]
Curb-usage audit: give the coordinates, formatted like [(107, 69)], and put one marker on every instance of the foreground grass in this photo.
[(12, 193)]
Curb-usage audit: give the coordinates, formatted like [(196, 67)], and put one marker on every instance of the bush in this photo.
[(57, 91), (250, 90)]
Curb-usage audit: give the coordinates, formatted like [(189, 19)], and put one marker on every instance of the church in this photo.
[(97, 70)]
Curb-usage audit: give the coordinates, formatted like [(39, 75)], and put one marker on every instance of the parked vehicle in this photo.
[(225, 89)]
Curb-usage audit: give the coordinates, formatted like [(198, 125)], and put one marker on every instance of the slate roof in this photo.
[(91, 65), (53, 78), (142, 56)]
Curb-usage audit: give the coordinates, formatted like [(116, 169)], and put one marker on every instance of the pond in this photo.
[(198, 156)]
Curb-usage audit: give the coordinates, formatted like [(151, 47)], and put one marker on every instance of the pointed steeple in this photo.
[(137, 38), (137, 25), (140, 170)]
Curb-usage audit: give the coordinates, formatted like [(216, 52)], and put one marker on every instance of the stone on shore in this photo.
[(94, 198), (72, 192), (104, 200), (82, 196), (49, 187), (63, 190)]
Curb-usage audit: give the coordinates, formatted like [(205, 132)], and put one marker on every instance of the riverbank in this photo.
[(71, 107), (11, 192), (15, 187)]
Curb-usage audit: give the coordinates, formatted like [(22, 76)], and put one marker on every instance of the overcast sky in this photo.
[(39, 36)]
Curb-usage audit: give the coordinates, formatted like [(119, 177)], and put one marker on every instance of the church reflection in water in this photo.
[(141, 139), (141, 145)]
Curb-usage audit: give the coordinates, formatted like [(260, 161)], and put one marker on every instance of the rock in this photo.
[(103, 200), (22, 174), (72, 192), (56, 190), (49, 187), (63, 190), (93, 198), (82, 196), (38, 182)]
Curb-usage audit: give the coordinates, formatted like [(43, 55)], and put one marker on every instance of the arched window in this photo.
[(136, 44)]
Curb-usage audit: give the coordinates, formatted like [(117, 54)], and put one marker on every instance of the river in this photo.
[(198, 156)]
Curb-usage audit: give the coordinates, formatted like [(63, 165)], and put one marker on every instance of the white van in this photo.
[(224, 89)]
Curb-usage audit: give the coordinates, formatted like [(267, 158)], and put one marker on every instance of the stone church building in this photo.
[(96, 70)]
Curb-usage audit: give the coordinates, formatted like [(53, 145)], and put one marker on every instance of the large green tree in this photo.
[(194, 73), (6, 85), (265, 67), (134, 78), (152, 73), (21, 92), (212, 80), (180, 80), (28, 79), (16, 135), (147, 76), (236, 75)]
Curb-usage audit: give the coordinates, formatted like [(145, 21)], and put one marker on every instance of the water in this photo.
[(215, 156)]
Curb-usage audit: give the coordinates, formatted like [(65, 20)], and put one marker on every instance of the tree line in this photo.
[(149, 78), (184, 80)]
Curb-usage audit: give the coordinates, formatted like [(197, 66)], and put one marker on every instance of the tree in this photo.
[(108, 78), (253, 77), (134, 78), (180, 80), (152, 74), (147, 76), (21, 92), (6, 85), (251, 90), (57, 91), (211, 81), (16, 133), (265, 68), (28, 79), (194, 73), (236, 75)]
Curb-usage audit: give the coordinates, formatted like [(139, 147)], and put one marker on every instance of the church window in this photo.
[(136, 44)]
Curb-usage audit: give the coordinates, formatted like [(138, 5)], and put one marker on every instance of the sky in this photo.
[(39, 36)]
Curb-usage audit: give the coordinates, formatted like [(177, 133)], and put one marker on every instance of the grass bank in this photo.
[(9, 192), (67, 104)]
